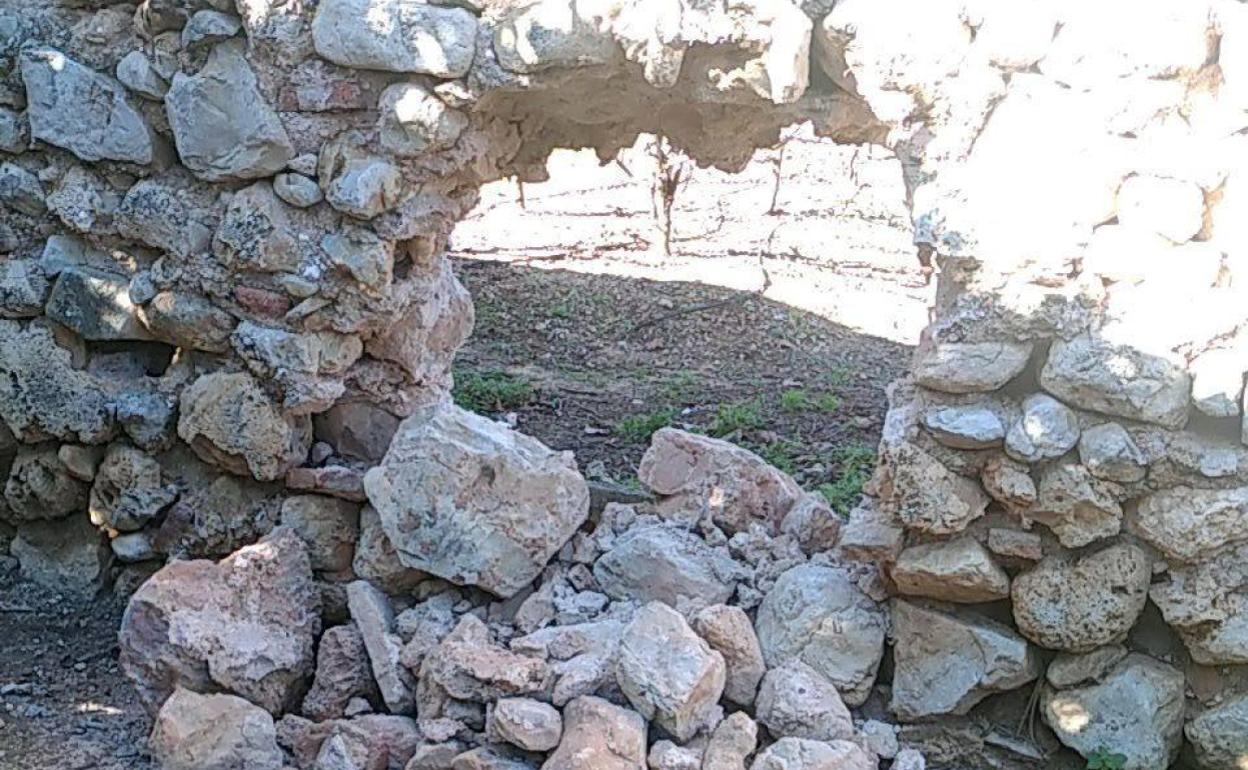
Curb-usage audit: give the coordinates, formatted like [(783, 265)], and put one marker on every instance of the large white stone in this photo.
[(396, 36), (474, 502), (1096, 374), (1187, 524)]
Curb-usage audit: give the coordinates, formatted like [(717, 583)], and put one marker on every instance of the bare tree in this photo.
[(671, 173)]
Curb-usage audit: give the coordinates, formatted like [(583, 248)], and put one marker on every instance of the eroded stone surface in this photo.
[(194, 731), (959, 570), (1117, 380)]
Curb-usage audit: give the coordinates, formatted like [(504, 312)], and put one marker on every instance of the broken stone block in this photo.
[(246, 624), (365, 187), (959, 570), (1117, 380), (188, 321), (1207, 603), (667, 564), (665, 755), (796, 700), (1187, 524), (216, 516), (21, 191), (149, 419), (373, 617), (695, 475), (970, 367), (946, 662), (813, 523), (1218, 382), (230, 422), (375, 559), (1219, 736), (819, 616), (1047, 429), (297, 190), (135, 71), (43, 395), (929, 497), (1109, 452), (1008, 482), (729, 632), (465, 666), (473, 501), (329, 527), (871, 534), (1077, 507), (598, 735), (731, 744), (1016, 544), (413, 121), (357, 429), (23, 288), (804, 754), (1079, 603), (668, 673), (223, 128), (169, 212), (208, 26), (72, 106), (128, 493), (527, 723), (1137, 711), (39, 486), (342, 673), (66, 555), (965, 427), (396, 36), (1070, 669), (387, 741), (256, 233), (194, 732)]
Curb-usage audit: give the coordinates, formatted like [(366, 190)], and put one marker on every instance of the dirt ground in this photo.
[(774, 326)]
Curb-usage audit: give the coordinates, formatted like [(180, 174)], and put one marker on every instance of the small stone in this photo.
[(598, 735), (1046, 430), (96, 305), (871, 534), (909, 759), (696, 475), (1071, 669), (1016, 544), (342, 674), (1117, 380), (1136, 711), (134, 547), (413, 121), (970, 367), (965, 427), (527, 723), (396, 36), (21, 191), (207, 27), (947, 662), (879, 738), (23, 288), (731, 744), (959, 570), (80, 461), (727, 629), (135, 71), (194, 731), (1077, 507), (813, 523), (223, 128), (128, 494), (443, 454), (668, 673), (357, 429), (365, 187), (667, 564), (819, 616), (149, 419), (14, 132), (40, 486), (328, 526), (1219, 736), (665, 755), (1079, 603), (371, 613), (334, 480), (297, 190), (1110, 453), (72, 106), (796, 700), (804, 754), (927, 495)]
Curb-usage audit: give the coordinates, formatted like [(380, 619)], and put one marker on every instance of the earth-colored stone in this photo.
[(216, 731), (1077, 507), (473, 501), (342, 673), (328, 526), (1079, 603), (527, 723), (696, 475), (39, 486), (959, 570), (946, 662), (795, 700), (373, 617), (668, 673), (1187, 524), (247, 624), (598, 735), (929, 497), (1207, 603), (819, 616), (1070, 669), (729, 632), (1136, 711)]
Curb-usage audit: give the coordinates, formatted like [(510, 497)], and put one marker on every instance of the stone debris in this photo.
[(728, 630), (372, 615), (959, 570)]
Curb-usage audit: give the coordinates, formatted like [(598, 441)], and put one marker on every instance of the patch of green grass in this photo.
[(492, 391), (780, 454), (828, 402), (639, 427), (855, 463), (681, 385), (1104, 759), (730, 418), (794, 400), (563, 308)]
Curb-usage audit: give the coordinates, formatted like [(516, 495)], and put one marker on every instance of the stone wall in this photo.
[(223, 286)]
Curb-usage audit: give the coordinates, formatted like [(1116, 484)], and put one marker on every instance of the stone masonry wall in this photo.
[(227, 323)]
